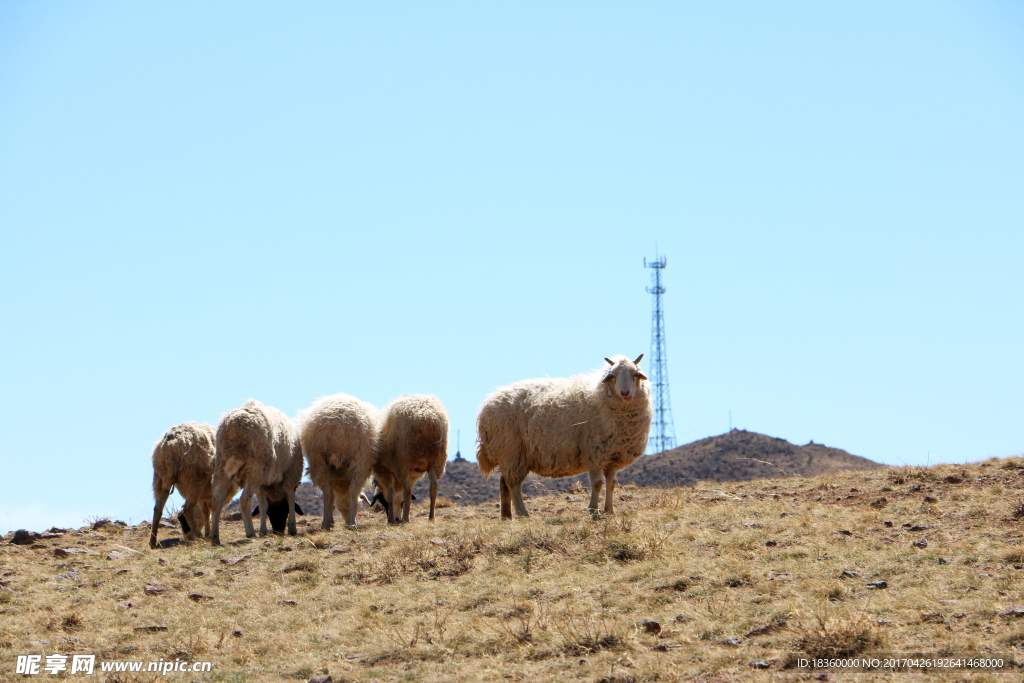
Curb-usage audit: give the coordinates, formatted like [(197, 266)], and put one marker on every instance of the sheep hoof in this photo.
[(215, 540)]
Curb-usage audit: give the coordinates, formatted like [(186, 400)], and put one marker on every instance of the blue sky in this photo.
[(204, 204)]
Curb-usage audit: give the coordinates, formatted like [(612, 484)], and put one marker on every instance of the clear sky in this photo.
[(202, 203)]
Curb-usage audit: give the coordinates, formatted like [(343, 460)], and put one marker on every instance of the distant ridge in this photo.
[(738, 455)]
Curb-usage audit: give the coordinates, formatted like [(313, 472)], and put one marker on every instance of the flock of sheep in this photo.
[(595, 423)]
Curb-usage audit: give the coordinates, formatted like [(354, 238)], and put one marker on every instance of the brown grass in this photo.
[(732, 573)]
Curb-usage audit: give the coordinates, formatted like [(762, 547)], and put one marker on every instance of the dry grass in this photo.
[(731, 573)]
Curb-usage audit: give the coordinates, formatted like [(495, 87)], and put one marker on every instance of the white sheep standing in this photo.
[(413, 441), (339, 436), (183, 457), (258, 451), (595, 423)]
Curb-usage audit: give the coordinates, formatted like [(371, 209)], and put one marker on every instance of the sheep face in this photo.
[(623, 377)]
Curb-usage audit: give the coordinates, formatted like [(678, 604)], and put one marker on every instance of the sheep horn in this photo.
[(610, 361), (637, 359)]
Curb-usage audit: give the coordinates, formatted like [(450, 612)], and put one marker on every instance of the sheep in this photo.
[(413, 441), (258, 451), (595, 423), (339, 436), (183, 457)]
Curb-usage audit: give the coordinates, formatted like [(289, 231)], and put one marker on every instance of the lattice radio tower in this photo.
[(663, 432)]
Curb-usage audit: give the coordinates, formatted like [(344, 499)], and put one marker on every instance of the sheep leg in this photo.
[(354, 487), (389, 493), (433, 492), (406, 499), (328, 522), (246, 506), (189, 510), (609, 478), (158, 512), (290, 493), (596, 483), (261, 500), (221, 492), (517, 498), (506, 499), (204, 509)]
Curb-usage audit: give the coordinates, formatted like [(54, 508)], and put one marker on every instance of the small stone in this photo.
[(846, 532), (931, 499), (683, 618), (1013, 612), (921, 543), (732, 641), (287, 602), (915, 487), (650, 626), (849, 575), (199, 597), (38, 643), (121, 571), (234, 517), (100, 523), (118, 555), (760, 664), (150, 629), (770, 544), (888, 525), (124, 604), (878, 585), (237, 633), (60, 552), (154, 589), (321, 679), (582, 661), (236, 559)]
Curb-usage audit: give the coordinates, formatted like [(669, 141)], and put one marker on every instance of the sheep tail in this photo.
[(486, 464)]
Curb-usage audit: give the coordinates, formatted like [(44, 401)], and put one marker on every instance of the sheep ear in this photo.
[(641, 375), (638, 359), (610, 361)]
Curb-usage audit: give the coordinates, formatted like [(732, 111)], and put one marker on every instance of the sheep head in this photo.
[(624, 377)]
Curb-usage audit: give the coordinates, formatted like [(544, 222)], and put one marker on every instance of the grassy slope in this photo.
[(555, 597)]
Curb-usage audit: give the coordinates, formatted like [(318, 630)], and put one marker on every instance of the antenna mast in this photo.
[(663, 432)]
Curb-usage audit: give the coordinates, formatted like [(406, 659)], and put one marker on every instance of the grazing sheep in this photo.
[(339, 436), (183, 457), (595, 423), (413, 441), (258, 451)]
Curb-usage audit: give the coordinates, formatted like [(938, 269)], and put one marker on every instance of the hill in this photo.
[(730, 582), (738, 455)]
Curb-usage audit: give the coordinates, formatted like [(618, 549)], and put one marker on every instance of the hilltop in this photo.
[(738, 455)]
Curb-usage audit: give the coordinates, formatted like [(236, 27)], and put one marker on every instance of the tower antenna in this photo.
[(663, 431)]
